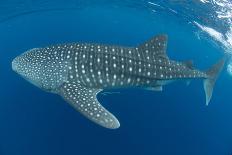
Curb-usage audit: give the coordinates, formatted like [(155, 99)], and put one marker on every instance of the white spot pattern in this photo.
[(83, 69), (84, 100)]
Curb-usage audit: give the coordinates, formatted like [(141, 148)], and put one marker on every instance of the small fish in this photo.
[(79, 71)]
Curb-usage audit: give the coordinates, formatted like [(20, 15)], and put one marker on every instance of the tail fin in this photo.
[(212, 73)]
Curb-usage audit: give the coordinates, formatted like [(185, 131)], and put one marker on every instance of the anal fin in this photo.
[(155, 88)]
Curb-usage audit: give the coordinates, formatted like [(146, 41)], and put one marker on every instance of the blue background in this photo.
[(175, 121)]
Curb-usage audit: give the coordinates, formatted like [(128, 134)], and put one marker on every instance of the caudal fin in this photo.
[(212, 73)]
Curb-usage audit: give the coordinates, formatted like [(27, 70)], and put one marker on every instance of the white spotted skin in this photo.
[(47, 68), (86, 103), (98, 66), (77, 72), (101, 66)]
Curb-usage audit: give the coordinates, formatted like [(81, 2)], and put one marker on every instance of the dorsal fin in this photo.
[(189, 64), (155, 47)]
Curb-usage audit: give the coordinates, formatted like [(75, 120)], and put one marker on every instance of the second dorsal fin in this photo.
[(155, 47), (189, 64)]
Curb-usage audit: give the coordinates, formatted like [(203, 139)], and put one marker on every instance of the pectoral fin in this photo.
[(84, 100)]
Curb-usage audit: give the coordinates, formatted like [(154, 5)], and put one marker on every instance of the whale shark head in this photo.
[(28, 66), (35, 66)]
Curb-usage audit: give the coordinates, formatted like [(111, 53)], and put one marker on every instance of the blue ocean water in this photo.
[(175, 121)]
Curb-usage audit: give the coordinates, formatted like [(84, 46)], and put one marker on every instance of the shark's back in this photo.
[(101, 66)]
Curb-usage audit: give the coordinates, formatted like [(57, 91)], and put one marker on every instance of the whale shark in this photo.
[(79, 71)]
